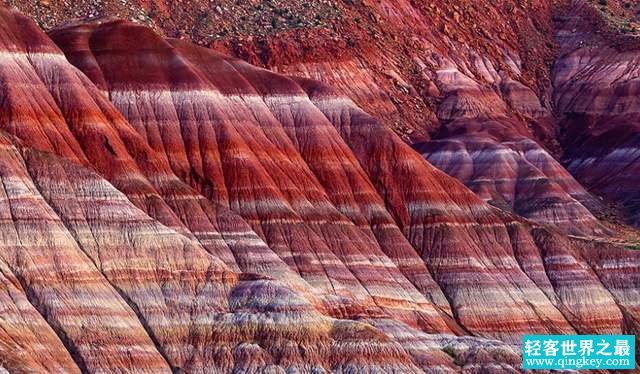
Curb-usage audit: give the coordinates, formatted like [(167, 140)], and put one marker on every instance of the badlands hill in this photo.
[(483, 90), (413, 200)]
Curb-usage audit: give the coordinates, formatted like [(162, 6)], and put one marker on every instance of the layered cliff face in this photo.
[(98, 284), (469, 89), (596, 90), (445, 65), (511, 171), (170, 208)]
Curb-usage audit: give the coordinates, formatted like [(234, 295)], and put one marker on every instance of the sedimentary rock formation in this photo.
[(513, 172), (596, 90), (170, 208), (442, 62), (479, 111)]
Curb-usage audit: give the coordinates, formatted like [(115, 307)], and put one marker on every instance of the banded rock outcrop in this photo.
[(475, 105), (346, 186), (513, 172), (122, 290), (441, 61), (596, 91), (172, 208)]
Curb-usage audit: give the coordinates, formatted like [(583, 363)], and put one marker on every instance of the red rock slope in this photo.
[(596, 89), (323, 166), (425, 69), (466, 83), (170, 208)]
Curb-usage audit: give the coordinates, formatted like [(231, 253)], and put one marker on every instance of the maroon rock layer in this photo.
[(169, 208), (300, 161), (472, 109), (596, 91), (513, 172), (120, 289), (414, 65)]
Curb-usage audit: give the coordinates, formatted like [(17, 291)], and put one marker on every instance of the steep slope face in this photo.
[(388, 232), (511, 171), (484, 67), (596, 81), (453, 251), (260, 175), (300, 210), (170, 302), (207, 215), (321, 36), (118, 288), (473, 97), (461, 93), (149, 299)]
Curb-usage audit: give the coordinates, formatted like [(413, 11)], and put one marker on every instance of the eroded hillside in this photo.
[(170, 207)]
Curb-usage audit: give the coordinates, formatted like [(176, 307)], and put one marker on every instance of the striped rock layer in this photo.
[(466, 83), (426, 69), (168, 209), (596, 91), (513, 172)]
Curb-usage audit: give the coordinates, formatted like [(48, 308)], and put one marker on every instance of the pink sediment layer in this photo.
[(193, 212)]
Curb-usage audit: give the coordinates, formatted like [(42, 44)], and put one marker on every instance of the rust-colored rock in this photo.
[(170, 208), (596, 90)]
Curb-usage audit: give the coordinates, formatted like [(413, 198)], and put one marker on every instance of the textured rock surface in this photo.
[(170, 208), (338, 156), (512, 172), (476, 106), (596, 90), (443, 61)]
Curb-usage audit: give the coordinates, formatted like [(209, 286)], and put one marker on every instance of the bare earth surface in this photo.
[(411, 187)]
